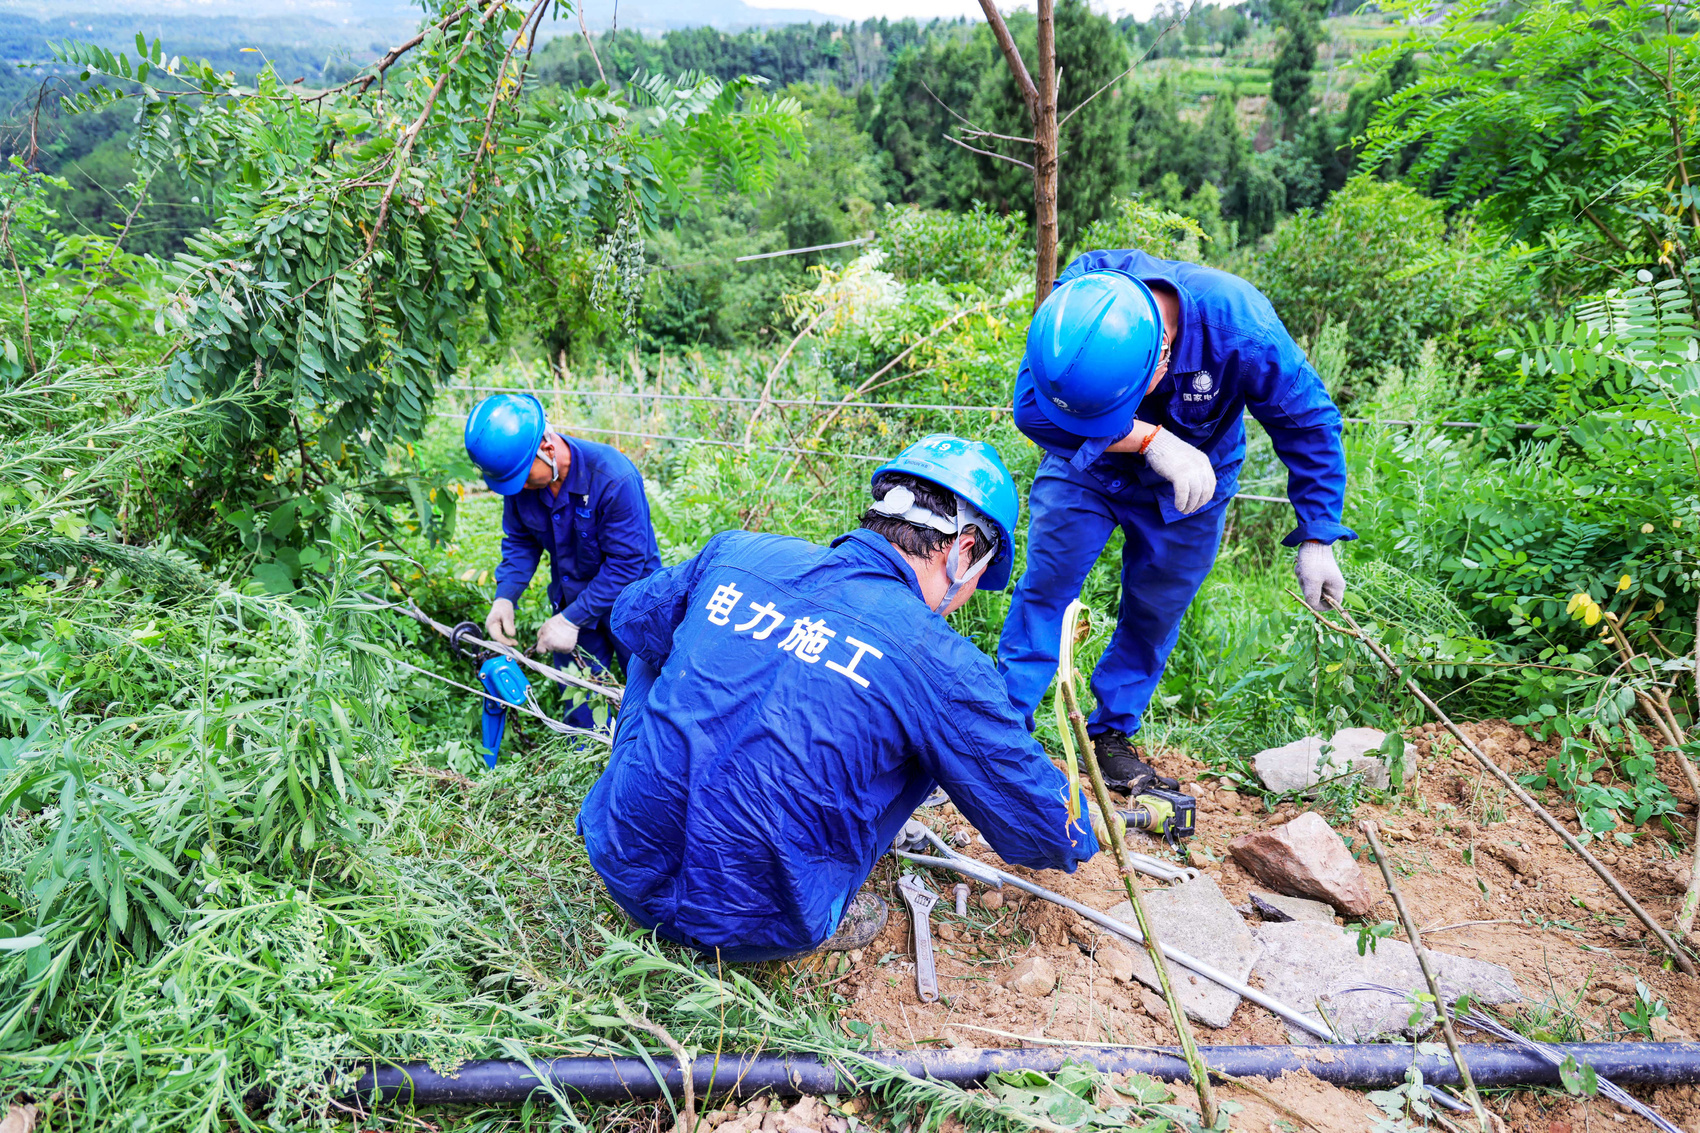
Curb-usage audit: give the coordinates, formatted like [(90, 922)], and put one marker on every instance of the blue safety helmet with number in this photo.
[(985, 494), (1092, 347), (502, 437)]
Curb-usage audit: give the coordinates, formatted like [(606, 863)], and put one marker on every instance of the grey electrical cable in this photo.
[(554, 674), (530, 708), (1128, 932)]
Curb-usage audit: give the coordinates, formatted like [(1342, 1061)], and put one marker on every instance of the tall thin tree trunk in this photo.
[(1045, 157), (1041, 101)]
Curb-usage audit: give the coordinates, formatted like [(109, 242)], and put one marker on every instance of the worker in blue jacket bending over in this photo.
[(789, 705), (1135, 380), (580, 502)]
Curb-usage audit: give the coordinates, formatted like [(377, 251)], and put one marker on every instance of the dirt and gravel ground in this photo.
[(1483, 878)]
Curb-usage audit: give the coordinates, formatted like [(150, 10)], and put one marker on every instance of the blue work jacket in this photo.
[(793, 704), (596, 531), (1231, 355)]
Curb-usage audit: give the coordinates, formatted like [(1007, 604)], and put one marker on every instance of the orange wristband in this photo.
[(1145, 444)]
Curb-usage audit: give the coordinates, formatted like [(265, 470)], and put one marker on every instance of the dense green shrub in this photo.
[(1569, 124), (976, 247), (1134, 223), (1378, 259), (1599, 502)]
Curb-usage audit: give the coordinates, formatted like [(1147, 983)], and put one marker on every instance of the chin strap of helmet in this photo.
[(899, 503)]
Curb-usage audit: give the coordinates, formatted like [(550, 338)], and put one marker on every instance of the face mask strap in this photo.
[(554, 472)]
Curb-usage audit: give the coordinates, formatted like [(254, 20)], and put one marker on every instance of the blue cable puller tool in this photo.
[(503, 680)]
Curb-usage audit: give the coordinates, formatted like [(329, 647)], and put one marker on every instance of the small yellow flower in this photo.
[(1646, 529), (1623, 583), (1592, 616), (1659, 606), (1575, 601)]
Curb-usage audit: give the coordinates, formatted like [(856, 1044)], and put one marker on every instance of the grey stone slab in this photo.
[(1277, 908), (1193, 917), (1299, 766), (1305, 964)]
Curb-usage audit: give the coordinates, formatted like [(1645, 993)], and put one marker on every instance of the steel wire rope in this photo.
[(794, 451), (730, 400), (727, 399), (708, 441)]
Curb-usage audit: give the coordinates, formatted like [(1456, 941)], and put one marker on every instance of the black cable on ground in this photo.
[(1368, 1066)]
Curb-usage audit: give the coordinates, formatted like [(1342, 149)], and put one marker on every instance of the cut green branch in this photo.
[(1116, 828)]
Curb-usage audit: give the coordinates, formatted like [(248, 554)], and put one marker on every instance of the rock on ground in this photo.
[(1193, 917), (1034, 976), (1295, 766), (1276, 908), (1305, 858), (1116, 961), (1303, 962)]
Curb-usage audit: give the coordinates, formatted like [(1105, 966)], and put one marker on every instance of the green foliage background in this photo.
[(250, 847)]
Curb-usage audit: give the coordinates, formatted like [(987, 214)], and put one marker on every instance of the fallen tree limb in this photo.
[(1434, 989)]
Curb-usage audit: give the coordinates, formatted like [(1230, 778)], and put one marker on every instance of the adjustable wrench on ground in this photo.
[(921, 901)]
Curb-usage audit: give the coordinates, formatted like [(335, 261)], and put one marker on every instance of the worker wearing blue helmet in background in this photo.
[(580, 502), (789, 705), (1136, 377)]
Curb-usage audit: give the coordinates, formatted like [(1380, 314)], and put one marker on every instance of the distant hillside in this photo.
[(363, 22), (372, 13), (656, 16), (301, 47)]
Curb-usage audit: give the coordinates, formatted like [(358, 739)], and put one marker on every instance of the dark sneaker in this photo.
[(1124, 765), (862, 921)]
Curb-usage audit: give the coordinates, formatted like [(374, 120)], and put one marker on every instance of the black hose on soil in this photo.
[(1368, 1066)]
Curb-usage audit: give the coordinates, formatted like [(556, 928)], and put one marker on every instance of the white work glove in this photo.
[(499, 622), (1319, 575), (1185, 467), (558, 635)]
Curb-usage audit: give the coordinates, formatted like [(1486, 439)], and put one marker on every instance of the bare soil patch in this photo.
[(1486, 879)]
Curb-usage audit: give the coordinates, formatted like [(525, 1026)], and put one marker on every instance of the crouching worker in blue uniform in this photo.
[(790, 705), (1137, 374), (580, 502)]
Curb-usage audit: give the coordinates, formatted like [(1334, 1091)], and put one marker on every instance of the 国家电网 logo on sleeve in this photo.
[(808, 639)]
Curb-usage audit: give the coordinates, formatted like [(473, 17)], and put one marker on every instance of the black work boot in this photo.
[(864, 918), (1124, 765)]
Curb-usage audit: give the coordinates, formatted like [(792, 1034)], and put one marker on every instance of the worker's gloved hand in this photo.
[(499, 622), (1185, 467), (1320, 580), (558, 635)]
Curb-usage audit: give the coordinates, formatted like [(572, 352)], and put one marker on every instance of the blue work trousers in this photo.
[(1163, 565), (596, 652)]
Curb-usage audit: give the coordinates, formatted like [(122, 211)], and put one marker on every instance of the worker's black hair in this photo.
[(912, 538)]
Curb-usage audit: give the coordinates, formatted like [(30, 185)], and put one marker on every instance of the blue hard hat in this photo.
[(974, 471), (502, 437), (1092, 347)]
